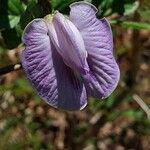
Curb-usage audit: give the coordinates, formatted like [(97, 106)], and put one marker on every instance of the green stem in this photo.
[(10, 68)]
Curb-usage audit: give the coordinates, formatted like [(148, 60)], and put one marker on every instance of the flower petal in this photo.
[(46, 71), (104, 72), (69, 43)]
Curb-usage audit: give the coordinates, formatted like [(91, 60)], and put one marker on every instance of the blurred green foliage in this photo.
[(14, 16)]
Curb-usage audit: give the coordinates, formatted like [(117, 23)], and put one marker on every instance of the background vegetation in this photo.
[(120, 122)]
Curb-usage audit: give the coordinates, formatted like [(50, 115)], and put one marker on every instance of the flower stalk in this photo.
[(10, 68)]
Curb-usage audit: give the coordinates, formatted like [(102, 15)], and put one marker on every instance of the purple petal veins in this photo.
[(97, 36), (55, 82), (67, 60)]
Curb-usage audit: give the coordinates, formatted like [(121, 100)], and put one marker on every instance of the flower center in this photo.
[(48, 18)]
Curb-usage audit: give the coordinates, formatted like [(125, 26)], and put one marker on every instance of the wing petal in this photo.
[(97, 35), (46, 71)]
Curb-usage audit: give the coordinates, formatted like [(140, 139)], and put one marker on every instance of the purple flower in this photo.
[(69, 59)]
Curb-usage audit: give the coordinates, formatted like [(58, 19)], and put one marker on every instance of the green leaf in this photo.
[(137, 114), (131, 24), (15, 7), (33, 11), (10, 11), (104, 7), (55, 3), (125, 7), (13, 20), (130, 8)]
